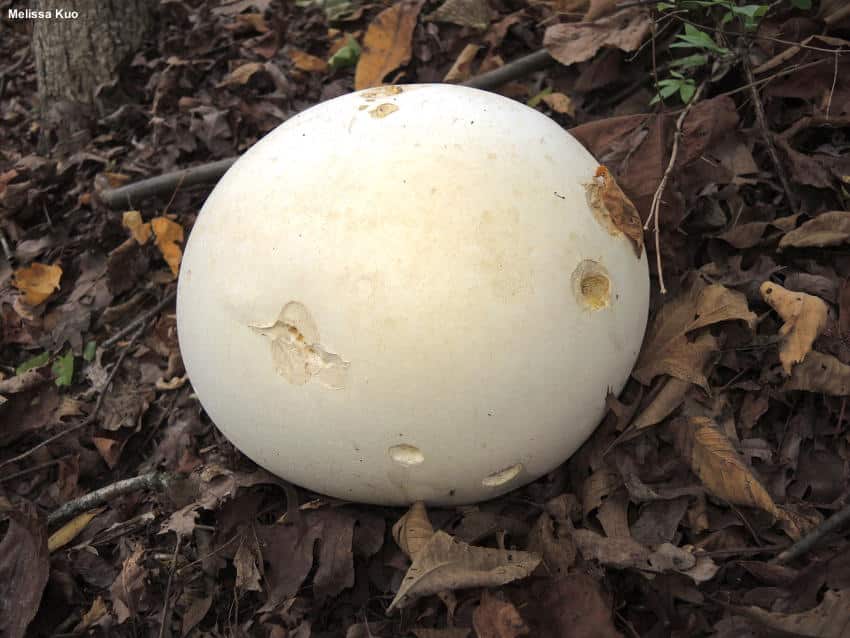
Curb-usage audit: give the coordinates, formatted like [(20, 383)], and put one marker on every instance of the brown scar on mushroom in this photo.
[(382, 91), (613, 209), (382, 110), (296, 352)]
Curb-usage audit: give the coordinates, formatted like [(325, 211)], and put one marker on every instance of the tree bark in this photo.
[(76, 55)]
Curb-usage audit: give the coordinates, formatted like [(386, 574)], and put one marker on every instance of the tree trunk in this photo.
[(79, 47)]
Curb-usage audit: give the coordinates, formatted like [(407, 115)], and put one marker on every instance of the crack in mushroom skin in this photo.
[(296, 352)]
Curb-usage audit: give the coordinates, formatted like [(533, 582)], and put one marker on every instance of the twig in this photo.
[(766, 134), (91, 417), (205, 173), (814, 537), (654, 209), (151, 481), (34, 468), (166, 607), (140, 320), (7, 252)]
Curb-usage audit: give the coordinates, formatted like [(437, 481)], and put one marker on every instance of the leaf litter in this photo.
[(729, 442)]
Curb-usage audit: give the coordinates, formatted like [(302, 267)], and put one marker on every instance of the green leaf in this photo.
[(346, 56), (33, 362), (695, 38), (801, 4), (63, 369), (663, 6), (686, 91), (537, 99), (690, 61), (90, 351)]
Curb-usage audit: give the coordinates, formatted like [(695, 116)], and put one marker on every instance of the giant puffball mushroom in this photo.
[(419, 292)]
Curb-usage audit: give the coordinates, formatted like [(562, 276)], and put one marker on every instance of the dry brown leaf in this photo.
[(718, 465), (619, 553), (830, 619), (821, 373), (413, 530), (168, 234), (669, 397), (448, 563), (557, 549), (132, 221), (497, 618), (573, 42), (804, 316), (573, 606), (248, 564), (305, 62), (667, 348), (451, 632), (561, 103), (827, 229), (600, 8), (242, 74), (37, 281), (70, 530), (97, 611), (474, 14), (387, 43), (462, 68), (613, 209)]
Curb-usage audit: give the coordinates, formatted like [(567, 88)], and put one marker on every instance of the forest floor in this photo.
[(729, 445)]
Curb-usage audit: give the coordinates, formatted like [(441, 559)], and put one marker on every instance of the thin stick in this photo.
[(654, 209), (766, 134), (814, 537), (91, 417), (152, 481), (140, 320), (166, 607), (205, 173)]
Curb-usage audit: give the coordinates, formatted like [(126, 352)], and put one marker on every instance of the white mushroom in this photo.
[(411, 293)]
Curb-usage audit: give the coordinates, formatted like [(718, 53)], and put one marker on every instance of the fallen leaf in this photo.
[(168, 233), (451, 632), (667, 348), (248, 564), (448, 563), (573, 42), (619, 553), (497, 618), (827, 229), (242, 74), (561, 103), (387, 43), (572, 605), (613, 209), (97, 611), (718, 465), (413, 530), (132, 221), (474, 14), (821, 373), (129, 590), (70, 530), (24, 568), (830, 619), (600, 8), (804, 316), (462, 68), (557, 549), (195, 613), (305, 62), (37, 281)]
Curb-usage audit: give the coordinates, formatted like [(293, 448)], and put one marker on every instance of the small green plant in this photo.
[(702, 20)]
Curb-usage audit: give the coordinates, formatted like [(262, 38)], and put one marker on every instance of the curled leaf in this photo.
[(804, 316), (448, 563)]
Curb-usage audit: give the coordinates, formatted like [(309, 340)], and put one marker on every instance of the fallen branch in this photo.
[(654, 209), (140, 320), (157, 481), (767, 135), (211, 172), (814, 537)]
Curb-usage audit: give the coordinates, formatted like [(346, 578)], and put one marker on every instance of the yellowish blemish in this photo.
[(382, 110), (591, 285)]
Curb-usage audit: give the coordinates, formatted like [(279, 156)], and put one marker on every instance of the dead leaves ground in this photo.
[(730, 441)]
